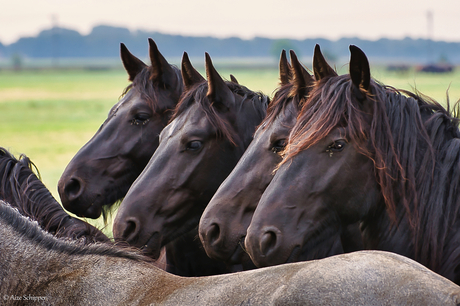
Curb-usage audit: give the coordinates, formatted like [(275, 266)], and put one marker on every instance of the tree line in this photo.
[(103, 42)]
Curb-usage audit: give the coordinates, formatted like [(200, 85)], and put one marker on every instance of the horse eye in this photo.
[(279, 145), (140, 119), (194, 145), (336, 146)]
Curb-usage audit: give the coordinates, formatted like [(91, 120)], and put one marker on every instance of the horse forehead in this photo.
[(192, 119), (266, 129), (195, 116), (290, 112), (283, 120), (127, 102)]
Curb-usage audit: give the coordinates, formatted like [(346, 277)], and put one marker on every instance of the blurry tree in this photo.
[(282, 44), (443, 59), (16, 60)]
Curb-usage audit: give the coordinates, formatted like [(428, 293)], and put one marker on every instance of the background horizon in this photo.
[(99, 49), (275, 19)]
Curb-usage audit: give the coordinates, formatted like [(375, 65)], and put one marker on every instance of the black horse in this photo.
[(102, 171), (212, 126), (365, 152)]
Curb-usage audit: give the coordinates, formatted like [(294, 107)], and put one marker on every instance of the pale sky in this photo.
[(332, 19)]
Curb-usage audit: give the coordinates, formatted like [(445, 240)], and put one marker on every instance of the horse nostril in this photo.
[(131, 231), (267, 242), (213, 233), (73, 189)]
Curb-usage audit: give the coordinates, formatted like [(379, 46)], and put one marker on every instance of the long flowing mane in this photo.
[(23, 189), (414, 144), (198, 95), (32, 232)]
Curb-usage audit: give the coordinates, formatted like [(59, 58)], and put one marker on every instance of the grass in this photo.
[(49, 115)]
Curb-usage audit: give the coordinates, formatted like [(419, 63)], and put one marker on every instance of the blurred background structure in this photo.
[(87, 33)]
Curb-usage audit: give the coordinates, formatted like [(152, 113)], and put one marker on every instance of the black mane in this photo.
[(414, 143), (22, 189), (148, 90)]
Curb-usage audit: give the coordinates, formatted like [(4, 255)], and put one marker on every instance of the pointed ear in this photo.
[(161, 71), (359, 68), (233, 79), (190, 75), (132, 64), (302, 80), (321, 68), (285, 69), (218, 94)]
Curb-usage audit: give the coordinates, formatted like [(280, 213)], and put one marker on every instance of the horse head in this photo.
[(105, 167), (324, 183), (225, 220), (212, 126)]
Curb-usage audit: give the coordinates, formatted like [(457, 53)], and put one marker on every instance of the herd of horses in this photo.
[(338, 190)]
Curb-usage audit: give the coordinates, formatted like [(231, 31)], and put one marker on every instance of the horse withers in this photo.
[(37, 267)]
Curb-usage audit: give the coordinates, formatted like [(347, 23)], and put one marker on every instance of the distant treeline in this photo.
[(104, 42)]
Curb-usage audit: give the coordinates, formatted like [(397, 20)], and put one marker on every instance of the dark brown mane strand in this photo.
[(198, 95), (32, 232), (324, 109), (146, 87), (415, 147), (22, 188), (279, 103)]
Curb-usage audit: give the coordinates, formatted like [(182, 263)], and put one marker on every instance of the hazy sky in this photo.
[(299, 19)]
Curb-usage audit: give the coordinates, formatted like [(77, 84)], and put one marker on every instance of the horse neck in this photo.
[(25, 261), (186, 257), (379, 232), (30, 268), (92, 278), (431, 169)]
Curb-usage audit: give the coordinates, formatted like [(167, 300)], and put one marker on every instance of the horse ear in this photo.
[(161, 71), (233, 79), (359, 68), (190, 75), (321, 68), (218, 92), (302, 80), (132, 64), (285, 69)]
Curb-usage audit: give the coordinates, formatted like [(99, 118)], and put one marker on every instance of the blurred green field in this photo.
[(49, 114)]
